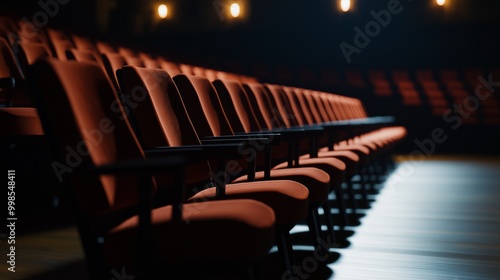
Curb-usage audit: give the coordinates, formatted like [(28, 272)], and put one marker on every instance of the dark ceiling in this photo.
[(292, 33)]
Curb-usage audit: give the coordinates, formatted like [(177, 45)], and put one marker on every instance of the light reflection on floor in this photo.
[(441, 222)]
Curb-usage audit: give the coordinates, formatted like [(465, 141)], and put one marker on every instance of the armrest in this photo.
[(201, 152)]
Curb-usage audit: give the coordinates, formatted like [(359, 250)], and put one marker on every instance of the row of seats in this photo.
[(289, 193), (434, 92), (180, 163)]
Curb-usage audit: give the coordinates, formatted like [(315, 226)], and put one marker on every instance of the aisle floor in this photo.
[(433, 219)]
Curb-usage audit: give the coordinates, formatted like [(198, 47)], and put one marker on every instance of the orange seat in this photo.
[(112, 207)]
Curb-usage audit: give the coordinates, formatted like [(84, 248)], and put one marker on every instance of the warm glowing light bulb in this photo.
[(345, 5), (440, 2), (235, 10), (162, 11)]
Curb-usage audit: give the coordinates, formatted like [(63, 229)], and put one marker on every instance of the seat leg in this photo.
[(285, 250), (329, 221)]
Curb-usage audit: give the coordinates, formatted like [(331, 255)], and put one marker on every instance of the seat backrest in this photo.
[(327, 105), (359, 108), (161, 116), (134, 61), (282, 105), (293, 106), (313, 107), (321, 106), (80, 112), (55, 34), (339, 108), (61, 46), (236, 105), (331, 99), (83, 55), (83, 44), (186, 69), (28, 32), (150, 62), (126, 52), (210, 74), (203, 105), (198, 71)]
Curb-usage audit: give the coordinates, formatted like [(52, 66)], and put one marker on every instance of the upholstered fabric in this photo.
[(82, 43), (31, 52), (113, 62), (317, 181), (85, 55), (197, 91), (259, 101), (9, 69), (171, 68), (167, 108), (161, 115), (76, 103), (61, 46), (288, 199), (20, 121), (218, 231), (295, 106), (282, 104)]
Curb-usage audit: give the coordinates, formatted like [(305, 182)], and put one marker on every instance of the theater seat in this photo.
[(20, 121), (15, 120), (111, 203)]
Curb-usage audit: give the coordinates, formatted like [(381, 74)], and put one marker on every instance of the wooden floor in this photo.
[(433, 219)]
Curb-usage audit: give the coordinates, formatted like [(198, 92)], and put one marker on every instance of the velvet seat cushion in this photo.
[(17, 121), (217, 231), (335, 168), (288, 199)]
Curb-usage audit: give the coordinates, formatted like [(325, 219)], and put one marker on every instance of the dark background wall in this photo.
[(289, 34)]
